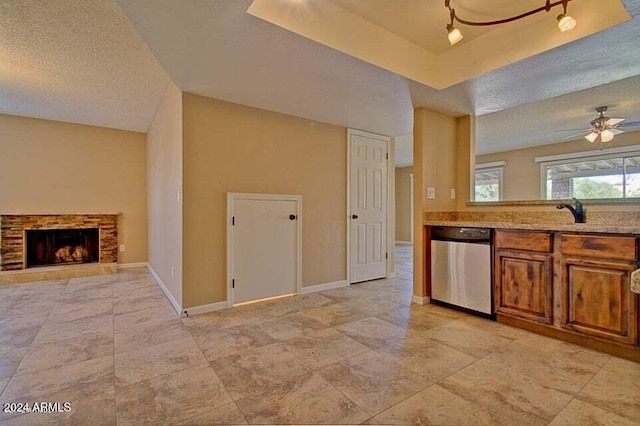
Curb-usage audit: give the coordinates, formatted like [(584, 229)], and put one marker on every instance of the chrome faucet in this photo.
[(578, 211)]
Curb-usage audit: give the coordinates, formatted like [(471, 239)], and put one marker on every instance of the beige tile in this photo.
[(137, 293), (149, 334), (72, 311), (377, 304), (255, 371), (146, 316), (166, 399), (218, 320), (427, 356), (20, 331), (335, 314), (27, 304), (98, 409), (414, 317), (290, 326), (67, 383), (10, 358), (153, 361), (467, 338), (124, 306), (93, 280), (436, 406), (88, 294), (57, 354), (520, 383), (582, 413), (53, 331), (286, 306), (321, 348), (228, 341), (123, 288), (373, 332), (374, 381), (226, 415), (616, 388), (306, 400)]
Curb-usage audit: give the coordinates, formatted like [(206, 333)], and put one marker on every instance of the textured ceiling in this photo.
[(537, 123), (215, 49), (76, 61), (83, 62)]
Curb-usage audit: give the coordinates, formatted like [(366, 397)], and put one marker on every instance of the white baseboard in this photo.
[(133, 265), (203, 309), (164, 289), (409, 243), (323, 287), (420, 300)]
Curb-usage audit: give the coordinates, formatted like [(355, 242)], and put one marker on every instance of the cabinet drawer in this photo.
[(599, 246), (541, 242)]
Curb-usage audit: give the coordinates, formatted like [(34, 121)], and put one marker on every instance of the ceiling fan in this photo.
[(602, 127)]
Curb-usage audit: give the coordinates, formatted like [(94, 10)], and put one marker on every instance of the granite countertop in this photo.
[(571, 227)]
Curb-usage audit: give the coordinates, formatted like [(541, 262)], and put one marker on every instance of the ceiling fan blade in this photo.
[(614, 121), (630, 124), (572, 130), (616, 131), (573, 136)]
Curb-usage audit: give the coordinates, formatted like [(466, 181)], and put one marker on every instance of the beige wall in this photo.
[(54, 167), (403, 204), (233, 148), (522, 173), (442, 147), (164, 191)]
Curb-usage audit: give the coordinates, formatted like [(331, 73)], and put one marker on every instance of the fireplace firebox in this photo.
[(51, 247)]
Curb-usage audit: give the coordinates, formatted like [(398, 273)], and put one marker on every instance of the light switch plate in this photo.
[(453, 193), (122, 248), (431, 193)]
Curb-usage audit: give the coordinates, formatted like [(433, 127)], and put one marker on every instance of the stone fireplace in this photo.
[(31, 242)]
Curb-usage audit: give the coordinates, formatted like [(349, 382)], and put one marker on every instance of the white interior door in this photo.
[(264, 247), (368, 158)]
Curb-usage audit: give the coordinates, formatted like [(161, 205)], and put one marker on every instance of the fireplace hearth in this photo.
[(50, 247)]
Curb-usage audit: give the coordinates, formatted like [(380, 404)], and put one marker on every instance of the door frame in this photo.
[(231, 197), (390, 192)]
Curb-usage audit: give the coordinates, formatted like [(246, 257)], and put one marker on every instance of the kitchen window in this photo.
[(593, 176), (488, 181)]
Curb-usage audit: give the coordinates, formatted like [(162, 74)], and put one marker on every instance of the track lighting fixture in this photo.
[(565, 21)]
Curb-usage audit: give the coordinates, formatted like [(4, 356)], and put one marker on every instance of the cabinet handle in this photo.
[(354, 216)]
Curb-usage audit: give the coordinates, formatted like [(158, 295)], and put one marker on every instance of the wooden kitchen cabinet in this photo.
[(596, 295), (523, 275)]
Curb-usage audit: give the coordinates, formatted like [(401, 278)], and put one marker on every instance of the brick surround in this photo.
[(12, 233)]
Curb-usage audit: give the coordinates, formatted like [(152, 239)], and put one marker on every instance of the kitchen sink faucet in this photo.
[(577, 211)]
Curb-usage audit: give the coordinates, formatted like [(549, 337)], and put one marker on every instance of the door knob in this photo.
[(354, 216), (292, 217)]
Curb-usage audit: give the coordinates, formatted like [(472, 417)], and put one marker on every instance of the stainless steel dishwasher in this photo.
[(461, 268)]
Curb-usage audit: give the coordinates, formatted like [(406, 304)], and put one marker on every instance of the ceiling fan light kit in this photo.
[(565, 21), (602, 127)]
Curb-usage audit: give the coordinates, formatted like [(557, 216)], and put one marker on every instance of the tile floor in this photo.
[(113, 347)]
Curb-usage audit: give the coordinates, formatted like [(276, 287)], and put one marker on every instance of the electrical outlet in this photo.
[(172, 271), (431, 193), (178, 196), (453, 193), (122, 248)]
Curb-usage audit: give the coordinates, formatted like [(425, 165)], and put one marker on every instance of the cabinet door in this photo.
[(523, 285), (597, 299)]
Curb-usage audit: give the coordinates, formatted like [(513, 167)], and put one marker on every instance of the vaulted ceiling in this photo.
[(104, 63)]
